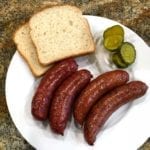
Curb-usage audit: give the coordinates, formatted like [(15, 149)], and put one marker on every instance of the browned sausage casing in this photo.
[(96, 89), (102, 110), (62, 103), (52, 79)]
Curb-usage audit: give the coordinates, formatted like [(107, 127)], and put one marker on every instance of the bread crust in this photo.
[(34, 72), (55, 6)]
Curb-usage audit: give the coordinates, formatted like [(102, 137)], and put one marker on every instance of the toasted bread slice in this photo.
[(60, 32), (27, 50)]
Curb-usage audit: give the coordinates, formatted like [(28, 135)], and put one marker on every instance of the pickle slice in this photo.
[(114, 30), (113, 42), (118, 61), (128, 53)]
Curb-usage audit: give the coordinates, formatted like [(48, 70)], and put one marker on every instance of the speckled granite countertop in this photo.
[(133, 13)]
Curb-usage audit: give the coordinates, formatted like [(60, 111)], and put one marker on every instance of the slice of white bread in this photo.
[(60, 32), (27, 50)]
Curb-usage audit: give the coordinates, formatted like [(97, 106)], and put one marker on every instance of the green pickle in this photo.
[(118, 61), (114, 30), (124, 52), (127, 53), (113, 42)]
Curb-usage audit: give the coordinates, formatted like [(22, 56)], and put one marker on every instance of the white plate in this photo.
[(127, 129)]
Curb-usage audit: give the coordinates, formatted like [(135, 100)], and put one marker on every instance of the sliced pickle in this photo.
[(128, 53), (113, 42), (114, 30), (118, 61)]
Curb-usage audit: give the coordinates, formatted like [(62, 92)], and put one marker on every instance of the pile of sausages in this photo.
[(65, 90)]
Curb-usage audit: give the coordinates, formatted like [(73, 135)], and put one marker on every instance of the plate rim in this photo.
[(8, 72)]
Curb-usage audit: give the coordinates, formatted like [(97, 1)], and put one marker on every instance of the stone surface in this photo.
[(133, 13), (146, 145)]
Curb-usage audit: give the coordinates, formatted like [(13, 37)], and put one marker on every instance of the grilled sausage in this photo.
[(102, 110), (52, 79), (96, 89), (62, 102)]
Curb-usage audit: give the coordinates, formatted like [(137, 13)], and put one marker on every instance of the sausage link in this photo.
[(62, 102), (96, 89), (52, 79), (102, 110)]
